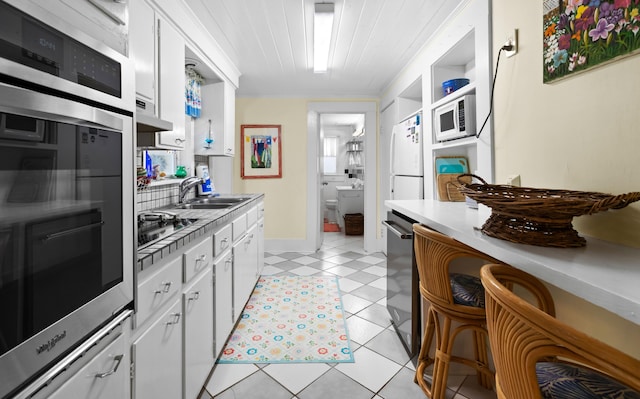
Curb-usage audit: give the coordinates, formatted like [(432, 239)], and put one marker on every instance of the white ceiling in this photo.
[(270, 41)]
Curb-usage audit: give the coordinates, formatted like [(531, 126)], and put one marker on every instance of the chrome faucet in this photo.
[(186, 185)]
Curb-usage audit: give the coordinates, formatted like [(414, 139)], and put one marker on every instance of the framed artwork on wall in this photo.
[(261, 151), (580, 34)]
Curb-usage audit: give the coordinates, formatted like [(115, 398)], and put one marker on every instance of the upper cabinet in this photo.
[(158, 51), (214, 131)]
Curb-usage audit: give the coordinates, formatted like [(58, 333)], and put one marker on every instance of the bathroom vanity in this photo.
[(350, 200)]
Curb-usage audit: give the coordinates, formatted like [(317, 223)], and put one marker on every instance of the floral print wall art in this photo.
[(579, 34)]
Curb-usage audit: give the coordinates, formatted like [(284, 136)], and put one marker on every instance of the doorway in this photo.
[(334, 119)]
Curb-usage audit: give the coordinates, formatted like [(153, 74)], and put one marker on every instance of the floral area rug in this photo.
[(291, 319)]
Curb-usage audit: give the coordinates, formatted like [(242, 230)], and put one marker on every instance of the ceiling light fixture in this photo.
[(322, 28)]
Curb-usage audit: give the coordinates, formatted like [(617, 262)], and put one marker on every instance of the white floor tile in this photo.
[(348, 285), (354, 304), (272, 260), (304, 271), (269, 270), (380, 283), (370, 369), (341, 271), (305, 260), (226, 375), (338, 260), (372, 260), (361, 330), (295, 377), (377, 270)]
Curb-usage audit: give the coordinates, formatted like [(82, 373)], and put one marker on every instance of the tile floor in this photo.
[(382, 369)]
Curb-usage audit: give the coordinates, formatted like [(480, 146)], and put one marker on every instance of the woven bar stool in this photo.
[(528, 341), (452, 297)]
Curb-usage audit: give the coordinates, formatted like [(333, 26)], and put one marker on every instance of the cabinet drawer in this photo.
[(252, 216), (156, 290), (197, 258), (239, 226), (222, 240), (260, 209)]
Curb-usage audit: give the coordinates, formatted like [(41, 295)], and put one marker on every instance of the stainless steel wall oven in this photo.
[(66, 191)]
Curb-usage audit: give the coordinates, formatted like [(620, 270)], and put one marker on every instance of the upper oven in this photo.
[(66, 191)]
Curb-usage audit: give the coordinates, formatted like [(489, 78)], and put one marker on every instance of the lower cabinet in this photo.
[(197, 310), (245, 258), (223, 302), (157, 357)]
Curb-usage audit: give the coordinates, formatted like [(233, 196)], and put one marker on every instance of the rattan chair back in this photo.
[(522, 335), (435, 253)]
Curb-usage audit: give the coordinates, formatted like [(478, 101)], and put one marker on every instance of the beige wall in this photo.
[(285, 198), (579, 133)]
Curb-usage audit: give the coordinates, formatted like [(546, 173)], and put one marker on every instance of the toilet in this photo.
[(331, 205)]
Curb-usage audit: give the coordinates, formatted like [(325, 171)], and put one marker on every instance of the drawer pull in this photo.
[(175, 320), (166, 287), (194, 296), (224, 244), (202, 258), (117, 359)]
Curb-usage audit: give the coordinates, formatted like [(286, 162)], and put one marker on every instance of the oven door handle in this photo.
[(397, 230), (42, 106), (63, 233)]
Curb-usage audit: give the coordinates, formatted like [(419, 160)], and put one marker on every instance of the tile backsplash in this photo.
[(160, 195)]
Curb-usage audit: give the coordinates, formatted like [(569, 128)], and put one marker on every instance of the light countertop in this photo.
[(602, 273)]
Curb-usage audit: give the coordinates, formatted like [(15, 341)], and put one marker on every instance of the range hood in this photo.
[(151, 124), (146, 121)]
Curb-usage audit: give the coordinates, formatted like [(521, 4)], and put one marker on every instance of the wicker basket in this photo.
[(539, 216), (353, 224)]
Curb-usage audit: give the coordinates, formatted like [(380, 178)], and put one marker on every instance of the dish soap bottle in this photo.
[(204, 188)]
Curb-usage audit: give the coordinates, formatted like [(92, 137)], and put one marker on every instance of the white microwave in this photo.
[(456, 118)]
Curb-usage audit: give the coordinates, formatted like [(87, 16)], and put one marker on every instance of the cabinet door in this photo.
[(224, 314), (260, 248), (171, 85), (157, 356), (229, 119), (111, 364), (142, 48), (197, 307), (245, 258)]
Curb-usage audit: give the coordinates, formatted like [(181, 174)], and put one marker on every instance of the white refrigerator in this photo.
[(407, 181)]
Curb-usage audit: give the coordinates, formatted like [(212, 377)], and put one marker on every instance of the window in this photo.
[(330, 155)]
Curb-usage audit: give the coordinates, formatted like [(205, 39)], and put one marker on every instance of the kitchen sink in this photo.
[(212, 203)]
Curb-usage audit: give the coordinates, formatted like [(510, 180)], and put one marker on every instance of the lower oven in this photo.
[(66, 194), (403, 295)]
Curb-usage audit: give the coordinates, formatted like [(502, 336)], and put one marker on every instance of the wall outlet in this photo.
[(512, 40), (513, 180)]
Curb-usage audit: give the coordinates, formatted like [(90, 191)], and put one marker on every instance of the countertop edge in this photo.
[(207, 221), (603, 273)]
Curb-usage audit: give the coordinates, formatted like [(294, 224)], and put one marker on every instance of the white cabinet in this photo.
[(143, 50), (223, 302), (218, 106), (198, 356), (260, 224), (245, 258), (158, 52), (171, 82), (350, 200), (157, 357)]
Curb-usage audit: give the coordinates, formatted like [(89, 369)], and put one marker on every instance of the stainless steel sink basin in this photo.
[(196, 205), (212, 203)]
